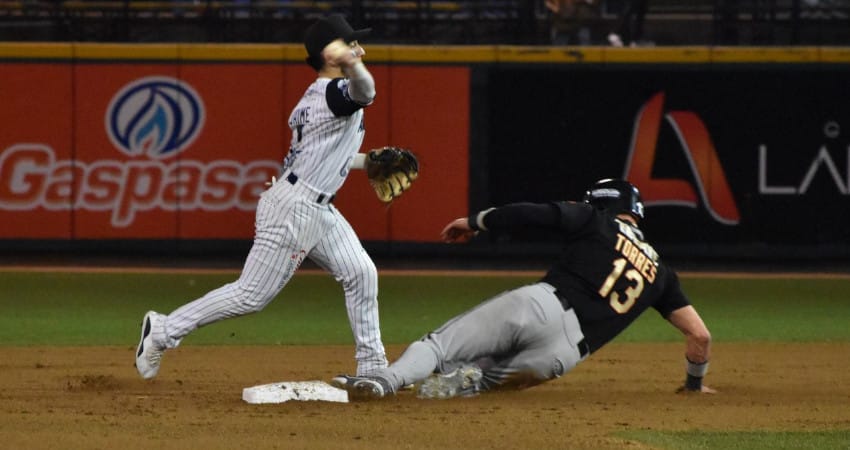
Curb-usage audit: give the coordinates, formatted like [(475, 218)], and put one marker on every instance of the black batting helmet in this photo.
[(615, 197)]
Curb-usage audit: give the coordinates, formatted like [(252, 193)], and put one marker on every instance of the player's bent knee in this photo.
[(366, 271), (364, 279), (252, 300)]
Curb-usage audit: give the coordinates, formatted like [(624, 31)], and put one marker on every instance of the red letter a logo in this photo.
[(696, 143)]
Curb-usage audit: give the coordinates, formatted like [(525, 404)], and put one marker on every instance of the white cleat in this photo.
[(461, 382), (148, 354)]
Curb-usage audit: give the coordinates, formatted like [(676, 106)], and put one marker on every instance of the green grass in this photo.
[(758, 309), (743, 440), (105, 308)]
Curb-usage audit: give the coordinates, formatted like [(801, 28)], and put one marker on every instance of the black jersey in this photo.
[(606, 269)]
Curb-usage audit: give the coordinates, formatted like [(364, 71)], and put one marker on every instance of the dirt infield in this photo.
[(91, 397)]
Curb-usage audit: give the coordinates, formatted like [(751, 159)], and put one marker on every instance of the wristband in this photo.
[(695, 374), (476, 221), (697, 369), (358, 162)]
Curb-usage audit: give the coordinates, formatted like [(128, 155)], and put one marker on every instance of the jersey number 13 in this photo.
[(631, 293)]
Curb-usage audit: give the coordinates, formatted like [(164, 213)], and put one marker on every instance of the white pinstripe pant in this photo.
[(291, 225)]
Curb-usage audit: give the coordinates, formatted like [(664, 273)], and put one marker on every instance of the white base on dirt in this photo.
[(294, 390)]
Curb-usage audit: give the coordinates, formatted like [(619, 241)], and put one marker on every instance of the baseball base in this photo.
[(294, 390)]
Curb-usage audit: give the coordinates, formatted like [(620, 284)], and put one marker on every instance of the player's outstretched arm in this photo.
[(697, 348), (458, 230)]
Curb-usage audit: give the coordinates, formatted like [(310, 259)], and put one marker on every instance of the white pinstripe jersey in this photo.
[(327, 131)]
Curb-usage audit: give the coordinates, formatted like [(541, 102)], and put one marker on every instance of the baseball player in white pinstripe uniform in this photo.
[(295, 218)]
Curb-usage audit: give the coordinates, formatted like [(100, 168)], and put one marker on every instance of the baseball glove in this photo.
[(391, 170)]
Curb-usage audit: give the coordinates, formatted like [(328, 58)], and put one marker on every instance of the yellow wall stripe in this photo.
[(27, 50), (765, 54), (99, 51), (232, 52), (424, 54)]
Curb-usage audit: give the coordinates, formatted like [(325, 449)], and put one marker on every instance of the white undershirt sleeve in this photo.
[(361, 86)]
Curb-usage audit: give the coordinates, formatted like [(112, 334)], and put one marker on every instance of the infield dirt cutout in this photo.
[(92, 398)]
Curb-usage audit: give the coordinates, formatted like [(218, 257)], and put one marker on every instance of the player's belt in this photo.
[(322, 198), (563, 299), (583, 348)]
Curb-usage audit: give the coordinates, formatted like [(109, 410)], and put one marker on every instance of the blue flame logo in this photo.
[(154, 116)]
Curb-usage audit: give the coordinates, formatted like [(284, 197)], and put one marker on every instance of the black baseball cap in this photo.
[(325, 31)]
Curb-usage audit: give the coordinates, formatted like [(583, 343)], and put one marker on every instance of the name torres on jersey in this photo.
[(640, 254)]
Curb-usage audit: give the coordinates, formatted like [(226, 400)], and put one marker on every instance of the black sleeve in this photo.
[(338, 99), (673, 298), (565, 216)]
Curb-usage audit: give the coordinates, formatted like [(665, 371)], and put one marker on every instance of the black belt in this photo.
[(583, 348), (563, 299), (292, 179)]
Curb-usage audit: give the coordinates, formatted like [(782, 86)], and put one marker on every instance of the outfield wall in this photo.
[(737, 150)]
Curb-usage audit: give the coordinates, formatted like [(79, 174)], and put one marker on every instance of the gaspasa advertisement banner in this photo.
[(182, 150)]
